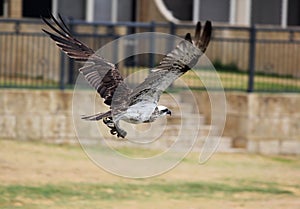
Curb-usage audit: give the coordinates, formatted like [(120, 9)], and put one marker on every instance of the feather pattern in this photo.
[(100, 74), (173, 65), (127, 104)]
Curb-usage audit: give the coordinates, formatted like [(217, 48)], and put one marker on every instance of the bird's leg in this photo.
[(115, 129), (120, 132), (109, 122)]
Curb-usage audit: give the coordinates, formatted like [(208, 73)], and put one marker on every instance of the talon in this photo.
[(113, 132), (110, 125), (120, 135), (105, 121), (108, 121)]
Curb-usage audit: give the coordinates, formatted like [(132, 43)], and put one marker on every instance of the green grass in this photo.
[(283, 160), (267, 86), (239, 81), (133, 191), (46, 176), (231, 77)]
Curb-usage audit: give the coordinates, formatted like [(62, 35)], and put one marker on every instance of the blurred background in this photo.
[(255, 49)]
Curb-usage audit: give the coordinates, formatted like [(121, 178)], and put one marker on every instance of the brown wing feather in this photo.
[(101, 74), (173, 65)]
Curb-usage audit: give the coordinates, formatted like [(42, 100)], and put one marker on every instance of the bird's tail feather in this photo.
[(97, 116)]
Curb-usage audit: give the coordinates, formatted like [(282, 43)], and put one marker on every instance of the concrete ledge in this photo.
[(259, 123), (271, 147), (290, 147), (8, 126), (36, 115)]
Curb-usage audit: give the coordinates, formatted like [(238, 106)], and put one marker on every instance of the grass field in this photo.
[(230, 81), (36, 175)]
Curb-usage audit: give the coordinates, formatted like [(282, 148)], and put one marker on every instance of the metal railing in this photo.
[(246, 59)]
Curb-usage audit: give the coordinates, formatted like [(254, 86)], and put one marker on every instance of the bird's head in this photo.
[(163, 110)]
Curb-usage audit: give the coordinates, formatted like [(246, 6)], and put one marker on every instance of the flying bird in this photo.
[(138, 105)]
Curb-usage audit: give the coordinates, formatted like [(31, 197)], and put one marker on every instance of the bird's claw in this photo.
[(109, 122), (114, 130)]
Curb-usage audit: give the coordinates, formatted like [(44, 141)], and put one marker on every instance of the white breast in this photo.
[(139, 112)]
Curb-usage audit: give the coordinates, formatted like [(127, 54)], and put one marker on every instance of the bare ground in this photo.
[(250, 181)]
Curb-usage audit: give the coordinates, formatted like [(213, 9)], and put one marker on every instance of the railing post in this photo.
[(171, 42), (152, 45), (172, 28), (17, 27), (130, 47), (252, 53), (71, 61), (62, 71), (173, 33)]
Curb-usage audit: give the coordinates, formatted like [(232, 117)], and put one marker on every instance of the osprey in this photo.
[(138, 105)]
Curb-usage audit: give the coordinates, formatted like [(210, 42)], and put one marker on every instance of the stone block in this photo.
[(270, 127), (58, 128), (203, 104), (269, 147), (290, 147), (239, 142), (28, 101), (292, 104), (295, 127), (17, 101), (90, 129), (277, 104), (225, 144), (87, 103), (53, 127), (28, 127), (40, 102), (61, 102), (237, 103), (7, 126), (70, 128), (2, 107), (236, 125), (252, 146)]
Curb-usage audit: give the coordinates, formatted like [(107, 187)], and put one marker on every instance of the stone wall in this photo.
[(264, 123), (36, 115), (258, 123)]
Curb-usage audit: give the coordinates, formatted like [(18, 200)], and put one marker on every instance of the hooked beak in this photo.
[(169, 112)]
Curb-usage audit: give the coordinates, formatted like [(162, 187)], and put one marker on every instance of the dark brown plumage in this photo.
[(106, 78), (101, 74)]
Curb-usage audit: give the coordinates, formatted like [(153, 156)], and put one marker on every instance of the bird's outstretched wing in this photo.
[(100, 74), (173, 65)]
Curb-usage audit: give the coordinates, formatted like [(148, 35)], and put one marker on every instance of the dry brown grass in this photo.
[(37, 175)]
